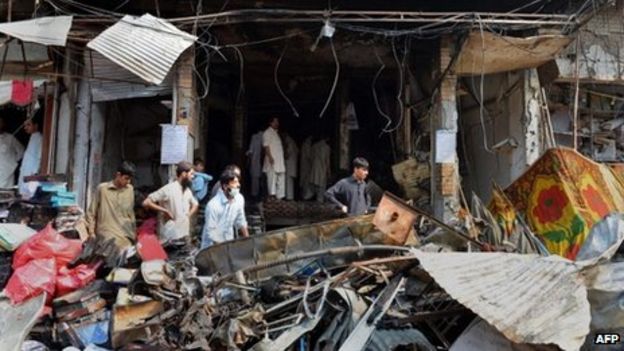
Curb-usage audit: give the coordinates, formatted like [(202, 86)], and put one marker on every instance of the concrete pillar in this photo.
[(80, 164), (403, 134), (238, 131), (185, 111), (532, 117), (97, 131), (444, 136)]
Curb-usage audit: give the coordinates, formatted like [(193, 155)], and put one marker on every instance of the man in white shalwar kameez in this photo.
[(255, 162), (11, 151), (291, 154), (320, 168), (32, 156), (305, 169), (274, 160)]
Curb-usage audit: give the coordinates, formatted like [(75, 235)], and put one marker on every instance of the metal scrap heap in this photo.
[(393, 281)]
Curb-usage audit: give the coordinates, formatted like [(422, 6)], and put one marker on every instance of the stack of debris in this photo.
[(414, 177), (398, 279)]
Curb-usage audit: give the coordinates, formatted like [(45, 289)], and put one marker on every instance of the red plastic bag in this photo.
[(47, 244), (148, 245), (69, 280), (32, 279)]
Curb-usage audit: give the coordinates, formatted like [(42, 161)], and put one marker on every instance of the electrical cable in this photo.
[(333, 88), (277, 84), (241, 73), (375, 97), (481, 103)]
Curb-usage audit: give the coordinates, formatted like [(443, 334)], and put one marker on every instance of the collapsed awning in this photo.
[(42, 30), (111, 82), (491, 53), (147, 46)]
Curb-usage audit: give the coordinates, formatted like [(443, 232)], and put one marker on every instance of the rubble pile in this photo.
[(395, 280)]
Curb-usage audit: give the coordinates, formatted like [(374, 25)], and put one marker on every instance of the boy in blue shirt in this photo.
[(200, 180)]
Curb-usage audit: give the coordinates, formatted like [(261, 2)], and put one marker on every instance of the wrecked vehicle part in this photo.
[(229, 257), (17, 321), (308, 255), (394, 218), (366, 326)]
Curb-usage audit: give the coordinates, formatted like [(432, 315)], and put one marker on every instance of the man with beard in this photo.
[(175, 205)]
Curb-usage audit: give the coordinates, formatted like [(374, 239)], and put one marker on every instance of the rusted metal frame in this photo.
[(438, 334), (319, 253), (435, 220)]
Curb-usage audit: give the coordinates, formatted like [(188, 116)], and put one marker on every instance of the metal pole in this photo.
[(576, 95)]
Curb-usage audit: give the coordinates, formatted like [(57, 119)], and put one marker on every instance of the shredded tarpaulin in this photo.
[(562, 196), (51, 30), (47, 244), (32, 279)]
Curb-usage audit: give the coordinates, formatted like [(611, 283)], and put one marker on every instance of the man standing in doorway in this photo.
[(32, 156), (225, 212), (175, 205), (291, 156), (111, 212), (274, 160), (255, 162), (11, 151), (350, 193)]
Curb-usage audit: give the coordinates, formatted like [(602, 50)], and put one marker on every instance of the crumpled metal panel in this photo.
[(16, 321), (43, 30), (530, 299), (147, 46), (229, 257)]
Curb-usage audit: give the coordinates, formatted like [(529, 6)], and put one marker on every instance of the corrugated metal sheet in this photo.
[(530, 299), (112, 82), (42, 30), (147, 46)]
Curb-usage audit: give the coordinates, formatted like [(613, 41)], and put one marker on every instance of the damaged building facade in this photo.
[(499, 126)]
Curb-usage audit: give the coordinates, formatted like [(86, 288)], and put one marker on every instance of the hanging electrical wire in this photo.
[(374, 90), (277, 84), (399, 96), (241, 74), (337, 74), (481, 94)]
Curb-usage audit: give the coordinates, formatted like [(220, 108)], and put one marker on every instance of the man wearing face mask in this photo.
[(225, 212), (175, 205)]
